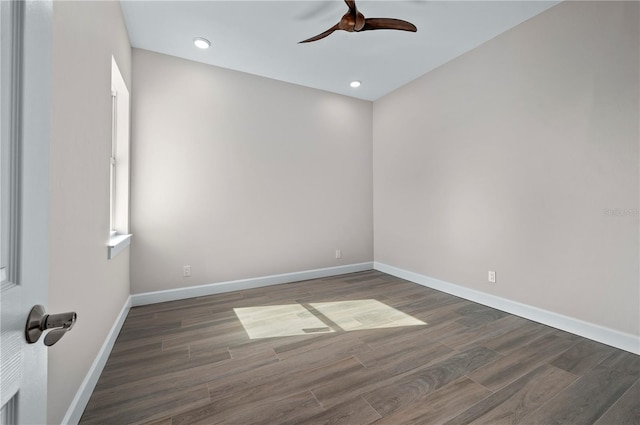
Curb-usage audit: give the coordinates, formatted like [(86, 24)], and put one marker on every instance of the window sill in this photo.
[(117, 243)]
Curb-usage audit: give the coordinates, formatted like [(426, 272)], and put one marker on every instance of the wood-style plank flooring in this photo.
[(192, 362)]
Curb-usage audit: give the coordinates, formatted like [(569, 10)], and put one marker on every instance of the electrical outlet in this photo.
[(186, 271), (492, 276), (338, 254)]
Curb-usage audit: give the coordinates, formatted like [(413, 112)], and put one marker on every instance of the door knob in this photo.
[(39, 321)]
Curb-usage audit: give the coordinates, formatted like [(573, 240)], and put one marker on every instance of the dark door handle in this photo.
[(39, 321)]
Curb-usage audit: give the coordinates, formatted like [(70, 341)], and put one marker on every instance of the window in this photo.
[(119, 236)]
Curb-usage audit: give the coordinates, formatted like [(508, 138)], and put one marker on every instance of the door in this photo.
[(25, 93)]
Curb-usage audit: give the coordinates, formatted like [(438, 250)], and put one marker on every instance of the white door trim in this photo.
[(28, 57)]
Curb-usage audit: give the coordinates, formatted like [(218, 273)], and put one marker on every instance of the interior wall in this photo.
[(521, 156), (241, 176), (85, 36)]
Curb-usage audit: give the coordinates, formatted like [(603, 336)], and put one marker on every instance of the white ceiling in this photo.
[(261, 37)]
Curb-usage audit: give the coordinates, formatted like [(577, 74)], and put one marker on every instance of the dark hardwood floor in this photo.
[(192, 362)]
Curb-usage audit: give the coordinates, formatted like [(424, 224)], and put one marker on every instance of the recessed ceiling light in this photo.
[(355, 84), (201, 43)]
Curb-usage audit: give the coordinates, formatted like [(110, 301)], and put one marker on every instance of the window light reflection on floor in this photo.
[(326, 317)]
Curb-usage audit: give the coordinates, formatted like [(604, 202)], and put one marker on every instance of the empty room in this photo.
[(320, 212)]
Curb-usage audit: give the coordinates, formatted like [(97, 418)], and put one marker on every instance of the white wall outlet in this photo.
[(186, 271), (492, 276), (338, 254)]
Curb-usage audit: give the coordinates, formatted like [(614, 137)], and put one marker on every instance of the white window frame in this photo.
[(119, 236)]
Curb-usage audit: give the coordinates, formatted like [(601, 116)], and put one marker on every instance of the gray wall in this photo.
[(241, 176), (505, 159), (509, 157), (85, 35)]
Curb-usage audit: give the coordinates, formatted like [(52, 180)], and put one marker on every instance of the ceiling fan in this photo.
[(353, 20)]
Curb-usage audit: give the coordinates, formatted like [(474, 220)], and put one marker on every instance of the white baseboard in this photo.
[(612, 337), (592, 331), (237, 285), (79, 402)]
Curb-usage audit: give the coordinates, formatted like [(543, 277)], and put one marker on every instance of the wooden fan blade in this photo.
[(351, 4), (388, 24), (321, 35)]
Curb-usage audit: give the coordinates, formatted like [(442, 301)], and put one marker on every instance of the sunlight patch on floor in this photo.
[(338, 316), (365, 314), (279, 320)]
